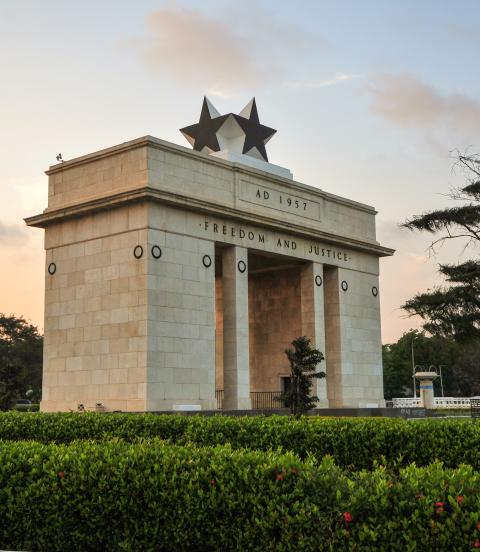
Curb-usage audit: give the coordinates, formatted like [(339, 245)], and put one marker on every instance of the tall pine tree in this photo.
[(453, 310), (303, 363)]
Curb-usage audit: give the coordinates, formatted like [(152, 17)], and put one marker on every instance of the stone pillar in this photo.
[(353, 339), (181, 322), (333, 343), (313, 319), (427, 399), (236, 369)]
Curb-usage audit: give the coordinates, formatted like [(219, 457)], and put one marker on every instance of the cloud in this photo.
[(11, 233), (234, 50), (409, 102), (338, 78)]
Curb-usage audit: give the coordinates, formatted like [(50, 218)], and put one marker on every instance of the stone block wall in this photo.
[(181, 322), (353, 339), (96, 314), (275, 320), (99, 177)]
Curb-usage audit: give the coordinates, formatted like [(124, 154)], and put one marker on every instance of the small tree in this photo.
[(303, 362)]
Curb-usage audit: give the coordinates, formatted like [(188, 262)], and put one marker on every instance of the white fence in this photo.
[(440, 402)]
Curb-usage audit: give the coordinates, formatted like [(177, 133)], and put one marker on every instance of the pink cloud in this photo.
[(233, 50), (409, 102)]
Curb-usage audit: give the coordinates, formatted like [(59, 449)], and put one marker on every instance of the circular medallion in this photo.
[(52, 268), (156, 252), (207, 261), (318, 280), (138, 251), (344, 285), (241, 266), (374, 291)]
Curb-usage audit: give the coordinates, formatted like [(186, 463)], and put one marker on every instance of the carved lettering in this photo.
[(235, 232)]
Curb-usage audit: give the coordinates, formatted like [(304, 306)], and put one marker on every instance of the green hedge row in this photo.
[(153, 495), (355, 442)]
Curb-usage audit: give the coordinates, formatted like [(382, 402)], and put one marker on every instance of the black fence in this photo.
[(261, 400), (475, 408), (219, 397)]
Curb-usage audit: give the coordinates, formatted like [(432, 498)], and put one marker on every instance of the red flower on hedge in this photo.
[(61, 474), (213, 482), (459, 500), (347, 516), (279, 477), (478, 525), (439, 507), (476, 544)]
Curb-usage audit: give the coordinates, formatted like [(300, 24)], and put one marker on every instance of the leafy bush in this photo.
[(153, 495), (354, 442)]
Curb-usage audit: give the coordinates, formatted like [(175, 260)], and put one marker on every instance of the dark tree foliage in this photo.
[(453, 310), (303, 363), (429, 354), (21, 349)]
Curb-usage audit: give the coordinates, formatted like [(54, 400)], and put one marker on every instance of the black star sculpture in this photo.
[(256, 134), (241, 133), (203, 135)]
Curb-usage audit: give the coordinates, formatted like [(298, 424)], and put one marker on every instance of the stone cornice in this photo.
[(50, 217), (156, 143)]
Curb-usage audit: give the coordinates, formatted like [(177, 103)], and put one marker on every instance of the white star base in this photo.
[(253, 162)]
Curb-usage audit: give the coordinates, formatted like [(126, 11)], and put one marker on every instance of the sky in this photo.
[(371, 99)]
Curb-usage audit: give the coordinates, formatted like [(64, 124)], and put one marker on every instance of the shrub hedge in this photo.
[(153, 495), (354, 442)]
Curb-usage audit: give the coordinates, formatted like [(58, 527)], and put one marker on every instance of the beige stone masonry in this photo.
[(313, 319), (236, 373), (353, 339), (135, 317)]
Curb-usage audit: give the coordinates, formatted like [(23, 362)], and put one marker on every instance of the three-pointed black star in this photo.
[(256, 134), (204, 133)]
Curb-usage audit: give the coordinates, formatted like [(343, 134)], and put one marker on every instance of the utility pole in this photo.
[(413, 372)]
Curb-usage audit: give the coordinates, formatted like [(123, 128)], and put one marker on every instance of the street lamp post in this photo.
[(441, 378)]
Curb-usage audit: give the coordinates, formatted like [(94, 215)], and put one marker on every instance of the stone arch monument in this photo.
[(172, 273)]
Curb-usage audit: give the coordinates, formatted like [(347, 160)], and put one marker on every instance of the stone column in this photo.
[(333, 343), (353, 339), (236, 369), (313, 319)]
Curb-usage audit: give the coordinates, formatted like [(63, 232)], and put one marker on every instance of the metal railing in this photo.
[(266, 400), (261, 400), (440, 402), (219, 397)]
